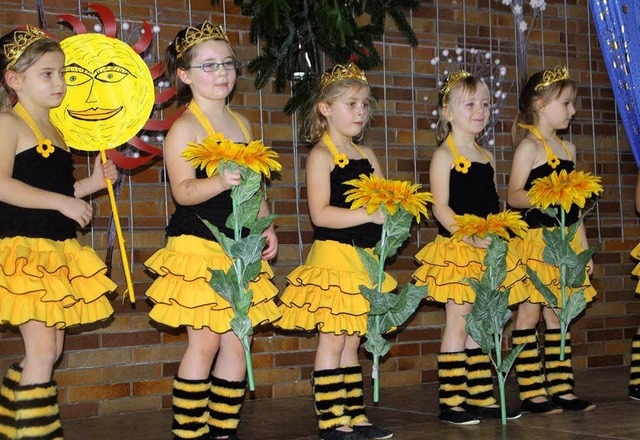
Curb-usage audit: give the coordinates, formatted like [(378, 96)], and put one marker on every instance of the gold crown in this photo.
[(559, 73), (22, 39), (339, 72), (452, 80), (194, 35)]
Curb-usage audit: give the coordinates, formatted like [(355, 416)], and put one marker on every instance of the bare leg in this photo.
[(43, 346), (202, 346)]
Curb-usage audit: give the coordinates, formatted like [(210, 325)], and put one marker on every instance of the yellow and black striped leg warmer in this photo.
[(7, 402), (634, 376), (330, 397), (559, 373), (355, 394), (37, 413), (452, 375), (190, 408), (479, 378), (528, 365), (225, 402)]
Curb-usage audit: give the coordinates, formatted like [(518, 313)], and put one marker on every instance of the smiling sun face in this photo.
[(109, 96)]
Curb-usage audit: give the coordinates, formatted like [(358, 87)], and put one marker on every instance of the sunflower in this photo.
[(462, 165), (255, 156), (496, 224), (372, 191), (564, 189)]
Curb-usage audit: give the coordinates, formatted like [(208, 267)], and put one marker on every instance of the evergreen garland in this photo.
[(295, 34)]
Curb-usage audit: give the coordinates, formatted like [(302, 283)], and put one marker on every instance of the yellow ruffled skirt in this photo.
[(635, 253), (324, 292), (445, 263), (59, 283), (531, 248), (182, 295)]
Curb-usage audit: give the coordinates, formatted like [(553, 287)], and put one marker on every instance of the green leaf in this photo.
[(252, 270), (225, 242), (576, 303), (407, 302), (224, 284), (380, 302), (370, 264), (544, 290), (479, 332), (571, 231), (242, 302), (241, 325), (250, 185), (507, 361), (576, 273), (375, 343), (556, 249), (398, 229), (259, 226), (249, 251), (247, 212), (495, 262)]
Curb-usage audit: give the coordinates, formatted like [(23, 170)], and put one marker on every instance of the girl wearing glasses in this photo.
[(201, 65)]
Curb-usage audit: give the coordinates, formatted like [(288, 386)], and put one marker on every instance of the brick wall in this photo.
[(103, 368)]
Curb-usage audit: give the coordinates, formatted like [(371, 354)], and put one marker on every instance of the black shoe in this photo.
[(336, 434), (449, 415), (634, 392), (573, 404), (372, 432), (545, 407), (492, 412)]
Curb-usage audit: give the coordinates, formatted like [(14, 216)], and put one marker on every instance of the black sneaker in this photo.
[(634, 392), (492, 412), (449, 415), (573, 404), (336, 434), (372, 432), (544, 407)]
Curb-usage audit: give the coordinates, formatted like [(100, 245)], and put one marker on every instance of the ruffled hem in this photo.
[(323, 320), (324, 293), (182, 294), (59, 283), (531, 248), (445, 263)]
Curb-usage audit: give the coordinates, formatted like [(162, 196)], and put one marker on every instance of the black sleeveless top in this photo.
[(365, 235), (472, 193), (54, 174), (186, 220), (536, 218)]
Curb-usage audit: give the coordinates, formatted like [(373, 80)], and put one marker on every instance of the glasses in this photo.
[(214, 67)]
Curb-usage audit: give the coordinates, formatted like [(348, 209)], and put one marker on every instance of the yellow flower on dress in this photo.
[(255, 156), (462, 165), (372, 191), (500, 224), (341, 160), (553, 161), (564, 189), (45, 148)]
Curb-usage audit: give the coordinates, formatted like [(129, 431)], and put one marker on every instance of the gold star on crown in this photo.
[(452, 80), (195, 35), (559, 73), (340, 72), (22, 39)]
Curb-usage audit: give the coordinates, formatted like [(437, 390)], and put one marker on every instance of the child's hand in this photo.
[(481, 243), (377, 217), (230, 178), (590, 267), (77, 210), (103, 171), (271, 248)]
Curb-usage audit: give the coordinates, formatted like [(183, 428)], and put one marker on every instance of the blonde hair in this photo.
[(463, 88), (315, 124), (530, 100)]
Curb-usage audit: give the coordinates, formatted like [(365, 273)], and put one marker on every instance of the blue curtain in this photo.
[(618, 28)]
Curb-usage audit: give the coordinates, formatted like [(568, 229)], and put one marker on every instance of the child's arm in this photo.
[(97, 180), (523, 161), (439, 175), (17, 193), (186, 189), (271, 248), (319, 165)]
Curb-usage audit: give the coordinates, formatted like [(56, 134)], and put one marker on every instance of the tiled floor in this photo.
[(411, 412)]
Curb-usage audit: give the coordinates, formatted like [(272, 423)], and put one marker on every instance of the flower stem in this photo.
[(501, 379), (376, 360), (563, 286), (247, 357)]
